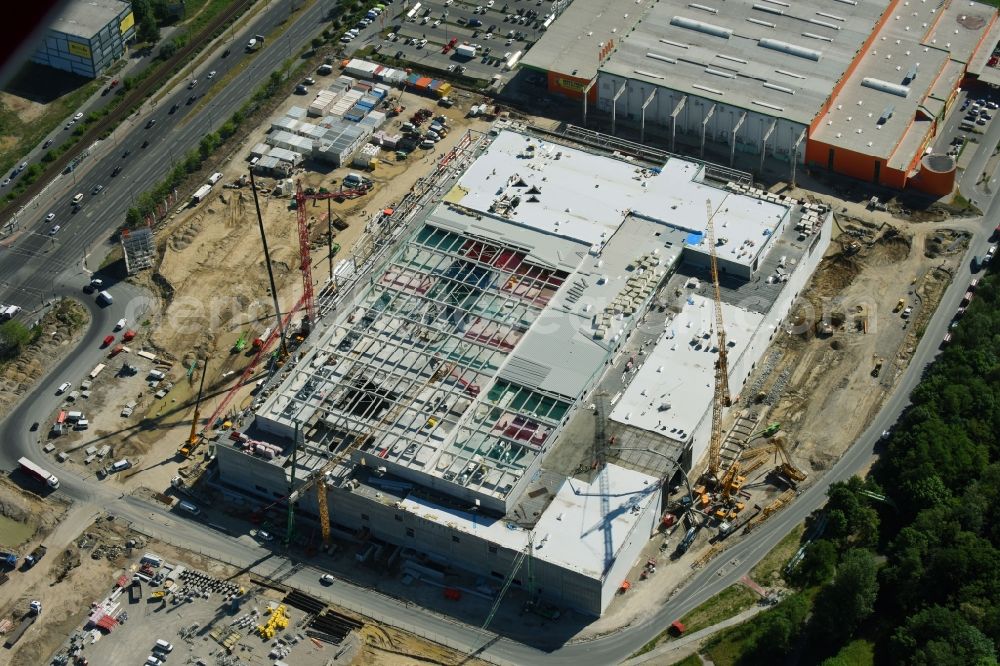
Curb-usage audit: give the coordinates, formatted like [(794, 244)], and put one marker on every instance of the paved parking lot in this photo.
[(496, 26)]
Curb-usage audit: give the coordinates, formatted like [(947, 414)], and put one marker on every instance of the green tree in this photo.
[(847, 601), (818, 564), (13, 337), (147, 29), (168, 49), (938, 636)]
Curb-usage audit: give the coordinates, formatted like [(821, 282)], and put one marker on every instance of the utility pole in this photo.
[(267, 262), (291, 488), (329, 236)]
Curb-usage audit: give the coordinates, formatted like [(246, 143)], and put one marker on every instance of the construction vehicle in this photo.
[(32, 558), (878, 366), (241, 342), (721, 399), (34, 610), (766, 432), (8, 559), (258, 342), (194, 439), (899, 305), (754, 459), (686, 542)]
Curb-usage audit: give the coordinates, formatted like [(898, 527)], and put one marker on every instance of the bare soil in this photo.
[(60, 328)]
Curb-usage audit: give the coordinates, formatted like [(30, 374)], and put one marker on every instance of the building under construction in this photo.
[(431, 400), (139, 249)]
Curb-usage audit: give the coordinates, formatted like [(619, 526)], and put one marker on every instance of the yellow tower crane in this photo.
[(721, 399), (319, 479)]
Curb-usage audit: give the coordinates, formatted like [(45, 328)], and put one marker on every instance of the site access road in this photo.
[(34, 257)]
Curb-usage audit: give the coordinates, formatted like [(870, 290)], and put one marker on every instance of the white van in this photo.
[(63, 388), (163, 646), (152, 661), (184, 505), (82, 424), (253, 161), (78, 198), (74, 416), (214, 178), (156, 375), (105, 297), (121, 465)]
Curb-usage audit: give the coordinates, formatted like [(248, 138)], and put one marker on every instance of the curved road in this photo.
[(32, 257), (19, 269), (719, 574)]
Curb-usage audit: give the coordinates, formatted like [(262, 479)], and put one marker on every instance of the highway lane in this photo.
[(713, 578), (36, 253), (59, 259)]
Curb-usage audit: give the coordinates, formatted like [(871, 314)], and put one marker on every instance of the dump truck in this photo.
[(8, 560), (35, 471), (32, 558)]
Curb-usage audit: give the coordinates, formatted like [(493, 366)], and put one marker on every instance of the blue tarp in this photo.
[(694, 238)]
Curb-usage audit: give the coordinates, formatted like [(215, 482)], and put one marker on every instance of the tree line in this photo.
[(908, 560)]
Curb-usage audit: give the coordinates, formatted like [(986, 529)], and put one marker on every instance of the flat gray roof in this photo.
[(769, 56), (915, 62), (573, 42), (85, 18)]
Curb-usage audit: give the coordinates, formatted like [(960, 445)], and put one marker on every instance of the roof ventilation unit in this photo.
[(702, 27), (885, 86), (790, 49), (911, 73)]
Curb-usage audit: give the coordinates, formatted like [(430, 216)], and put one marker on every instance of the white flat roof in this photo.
[(586, 197), (571, 531), (680, 370)]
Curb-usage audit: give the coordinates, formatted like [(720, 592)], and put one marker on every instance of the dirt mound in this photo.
[(890, 248), (836, 273)]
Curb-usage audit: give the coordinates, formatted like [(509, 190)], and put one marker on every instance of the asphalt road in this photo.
[(35, 258), (710, 580)]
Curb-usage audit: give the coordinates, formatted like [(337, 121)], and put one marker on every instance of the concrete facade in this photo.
[(87, 37)]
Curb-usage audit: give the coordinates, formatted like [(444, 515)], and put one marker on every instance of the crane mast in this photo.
[(721, 399)]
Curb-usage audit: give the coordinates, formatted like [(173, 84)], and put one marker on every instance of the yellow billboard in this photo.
[(78, 49), (127, 23)]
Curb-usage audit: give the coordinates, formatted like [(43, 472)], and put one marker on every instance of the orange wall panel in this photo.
[(571, 86)]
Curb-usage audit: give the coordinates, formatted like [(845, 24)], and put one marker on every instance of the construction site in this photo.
[(424, 411), (532, 368)]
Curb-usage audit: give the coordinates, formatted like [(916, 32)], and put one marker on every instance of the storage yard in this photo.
[(501, 366), (115, 596)]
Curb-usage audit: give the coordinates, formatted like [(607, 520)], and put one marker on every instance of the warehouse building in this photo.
[(859, 88), (87, 37), (439, 391)]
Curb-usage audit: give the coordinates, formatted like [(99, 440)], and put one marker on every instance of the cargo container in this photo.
[(465, 51), (36, 472)]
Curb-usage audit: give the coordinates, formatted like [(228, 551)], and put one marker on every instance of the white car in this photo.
[(50, 217), (436, 23), (78, 117), (63, 388), (211, 75), (885, 434), (121, 324), (54, 230), (326, 579)]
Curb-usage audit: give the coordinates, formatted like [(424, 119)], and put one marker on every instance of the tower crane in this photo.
[(721, 399)]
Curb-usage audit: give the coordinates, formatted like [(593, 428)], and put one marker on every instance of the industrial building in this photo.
[(87, 37), (858, 88), (433, 397)]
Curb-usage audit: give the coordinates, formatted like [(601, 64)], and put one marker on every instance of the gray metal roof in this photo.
[(573, 41), (85, 18), (768, 56), (914, 63)]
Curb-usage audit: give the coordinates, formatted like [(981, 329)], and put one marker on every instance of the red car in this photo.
[(117, 350), (108, 341), (129, 335)]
